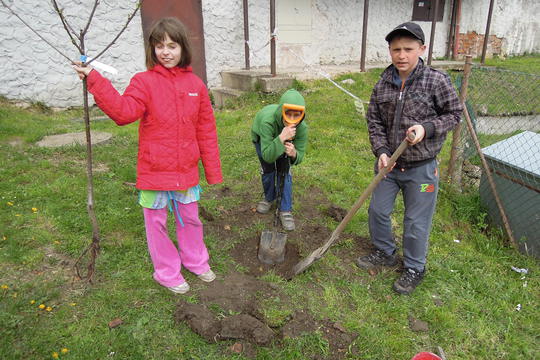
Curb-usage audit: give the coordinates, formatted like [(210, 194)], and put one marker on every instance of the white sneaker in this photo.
[(208, 276), (180, 289), (264, 206)]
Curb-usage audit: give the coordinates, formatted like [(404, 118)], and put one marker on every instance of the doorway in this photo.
[(189, 12)]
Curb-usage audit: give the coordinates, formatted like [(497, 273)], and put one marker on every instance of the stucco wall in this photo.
[(31, 70), (516, 21)]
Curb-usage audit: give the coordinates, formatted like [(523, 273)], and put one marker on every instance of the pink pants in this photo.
[(167, 259)]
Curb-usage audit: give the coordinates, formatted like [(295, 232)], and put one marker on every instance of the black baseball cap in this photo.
[(408, 28)]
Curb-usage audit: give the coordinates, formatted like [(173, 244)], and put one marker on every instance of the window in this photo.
[(423, 10)]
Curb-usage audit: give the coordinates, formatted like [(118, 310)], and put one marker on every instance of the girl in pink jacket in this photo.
[(177, 128)]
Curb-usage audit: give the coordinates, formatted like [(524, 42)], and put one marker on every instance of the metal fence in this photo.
[(501, 131)]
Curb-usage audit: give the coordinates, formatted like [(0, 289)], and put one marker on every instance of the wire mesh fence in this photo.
[(504, 109)]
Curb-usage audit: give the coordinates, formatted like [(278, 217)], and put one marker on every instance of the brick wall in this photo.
[(471, 43)]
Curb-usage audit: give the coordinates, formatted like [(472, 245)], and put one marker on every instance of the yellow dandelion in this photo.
[(55, 355), (64, 350), (4, 286), (48, 308), (72, 304), (17, 214), (34, 209), (32, 302), (56, 242), (10, 203), (41, 306)]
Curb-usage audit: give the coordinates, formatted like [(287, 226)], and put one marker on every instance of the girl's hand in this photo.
[(290, 150), (82, 71), (287, 133)]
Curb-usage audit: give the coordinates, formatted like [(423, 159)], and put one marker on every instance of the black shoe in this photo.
[(376, 258), (408, 281)]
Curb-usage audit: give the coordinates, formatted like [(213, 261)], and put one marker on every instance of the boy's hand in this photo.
[(82, 71), (287, 133), (290, 150), (383, 162), (419, 132)]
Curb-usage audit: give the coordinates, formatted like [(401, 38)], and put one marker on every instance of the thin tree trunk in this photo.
[(94, 246)]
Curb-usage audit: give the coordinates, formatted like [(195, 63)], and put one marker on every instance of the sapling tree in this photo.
[(90, 253)]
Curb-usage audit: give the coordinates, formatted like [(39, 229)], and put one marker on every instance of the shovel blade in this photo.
[(272, 247)]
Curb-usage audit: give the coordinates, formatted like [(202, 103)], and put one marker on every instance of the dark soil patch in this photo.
[(335, 212), (246, 254), (238, 293), (230, 307)]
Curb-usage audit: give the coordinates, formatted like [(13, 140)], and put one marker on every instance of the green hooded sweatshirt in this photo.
[(268, 124)]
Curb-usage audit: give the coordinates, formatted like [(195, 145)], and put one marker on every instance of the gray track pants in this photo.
[(419, 186)]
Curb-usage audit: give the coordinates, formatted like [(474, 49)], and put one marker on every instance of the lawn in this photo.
[(471, 303)]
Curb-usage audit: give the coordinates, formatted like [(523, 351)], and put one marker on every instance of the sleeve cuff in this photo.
[(383, 150), (429, 127)]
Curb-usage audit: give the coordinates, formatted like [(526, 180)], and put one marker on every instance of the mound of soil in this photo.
[(239, 296)]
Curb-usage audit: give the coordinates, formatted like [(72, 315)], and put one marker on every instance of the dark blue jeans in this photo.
[(268, 175)]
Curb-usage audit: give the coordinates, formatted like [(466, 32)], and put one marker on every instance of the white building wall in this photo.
[(516, 21), (30, 70)]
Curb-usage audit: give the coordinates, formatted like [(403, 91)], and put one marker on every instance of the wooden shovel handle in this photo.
[(367, 192)]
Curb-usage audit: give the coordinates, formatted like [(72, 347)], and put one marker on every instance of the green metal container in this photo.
[(515, 166)]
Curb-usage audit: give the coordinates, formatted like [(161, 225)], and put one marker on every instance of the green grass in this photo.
[(478, 291), (529, 64), (505, 87)]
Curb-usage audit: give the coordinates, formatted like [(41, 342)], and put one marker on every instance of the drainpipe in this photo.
[(451, 31), (456, 33), (246, 34), (273, 38), (364, 37), (486, 36), (432, 37)]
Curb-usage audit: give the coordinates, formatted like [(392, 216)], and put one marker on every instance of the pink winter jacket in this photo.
[(177, 125)]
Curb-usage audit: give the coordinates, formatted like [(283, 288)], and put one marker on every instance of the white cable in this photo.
[(327, 76)]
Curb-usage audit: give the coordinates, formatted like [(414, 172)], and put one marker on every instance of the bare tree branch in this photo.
[(70, 28), (67, 27), (83, 32), (34, 31), (117, 35)]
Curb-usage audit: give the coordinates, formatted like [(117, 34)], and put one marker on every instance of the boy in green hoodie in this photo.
[(279, 134)]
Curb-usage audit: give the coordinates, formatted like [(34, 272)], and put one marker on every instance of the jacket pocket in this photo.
[(417, 106), (188, 156), (191, 102), (161, 158), (387, 107)]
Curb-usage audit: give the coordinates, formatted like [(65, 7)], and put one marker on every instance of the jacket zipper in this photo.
[(397, 116)]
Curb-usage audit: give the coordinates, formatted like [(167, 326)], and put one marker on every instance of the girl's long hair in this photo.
[(177, 32)]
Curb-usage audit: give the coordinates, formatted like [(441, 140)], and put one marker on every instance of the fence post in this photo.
[(456, 153), (273, 38), (364, 37), (485, 165), (246, 33)]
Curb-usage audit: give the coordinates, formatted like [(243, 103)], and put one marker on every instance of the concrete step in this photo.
[(276, 83), (255, 80), (245, 80), (222, 94)]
